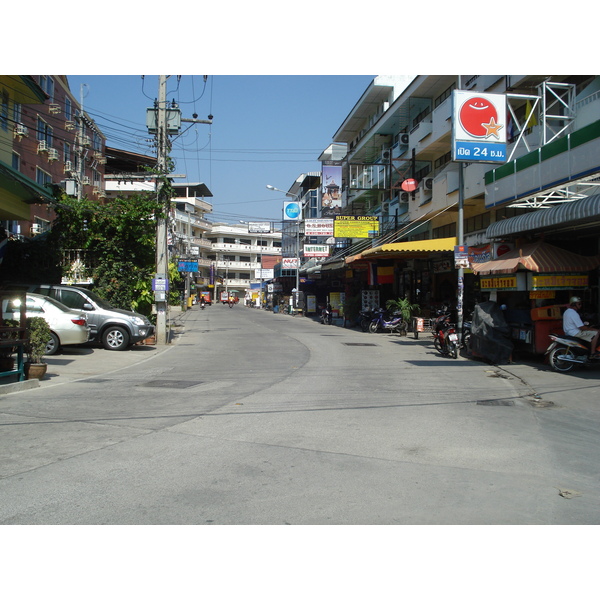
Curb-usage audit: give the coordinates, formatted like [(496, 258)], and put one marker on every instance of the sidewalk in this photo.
[(83, 362)]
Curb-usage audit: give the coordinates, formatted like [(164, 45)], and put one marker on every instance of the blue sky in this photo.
[(267, 129)]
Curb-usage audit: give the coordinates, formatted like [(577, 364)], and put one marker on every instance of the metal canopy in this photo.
[(582, 212)]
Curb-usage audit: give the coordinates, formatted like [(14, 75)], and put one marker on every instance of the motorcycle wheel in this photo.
[(558, 365), (454, 350), (467, 344), (373, 327), (364, 324), (438, 346)]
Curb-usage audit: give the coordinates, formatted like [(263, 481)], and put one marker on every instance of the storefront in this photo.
[(534, 282)]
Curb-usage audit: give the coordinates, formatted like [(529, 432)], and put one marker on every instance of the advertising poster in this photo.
[(478, 127), (331, 190), (354, 226), (318, 227)]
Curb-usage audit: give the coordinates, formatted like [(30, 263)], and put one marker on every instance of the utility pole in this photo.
[(162, 258)]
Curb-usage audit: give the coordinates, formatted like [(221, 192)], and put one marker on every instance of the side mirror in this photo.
[(87, 306)]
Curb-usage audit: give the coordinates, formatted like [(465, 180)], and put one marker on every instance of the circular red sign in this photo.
[(410, 185), (475, 113)]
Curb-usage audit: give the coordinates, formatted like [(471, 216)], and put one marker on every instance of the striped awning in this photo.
[(539, 257), (567, 214), (412, 249)]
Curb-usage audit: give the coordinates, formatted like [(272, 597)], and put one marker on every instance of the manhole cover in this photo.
[(495, 402), (358, 344), (93, 381), (169, 383)]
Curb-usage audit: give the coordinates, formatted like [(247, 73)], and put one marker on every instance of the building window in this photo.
[(68, 109), (44, 132), (16, 161), (4, 111), (67, 152), (17, 113), (41, 177), (47, 84), (445, 231)]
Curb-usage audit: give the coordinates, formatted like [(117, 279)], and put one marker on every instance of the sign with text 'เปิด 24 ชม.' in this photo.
[(478, 127)]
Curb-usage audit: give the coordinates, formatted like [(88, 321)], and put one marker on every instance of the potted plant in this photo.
[(404, 306), (7, 361), (38, 334)]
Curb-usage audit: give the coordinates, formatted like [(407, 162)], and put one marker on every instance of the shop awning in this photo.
[(539, 257), (567, 214), (412, 249)]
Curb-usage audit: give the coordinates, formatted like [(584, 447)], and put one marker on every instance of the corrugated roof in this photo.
[(564, 215)]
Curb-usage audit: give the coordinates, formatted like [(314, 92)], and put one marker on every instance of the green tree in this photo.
[(119, 242)]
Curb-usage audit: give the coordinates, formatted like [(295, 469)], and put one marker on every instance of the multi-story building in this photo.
[(19, 189), (189, 241), (53, 142), (242, 257), (402, 129)]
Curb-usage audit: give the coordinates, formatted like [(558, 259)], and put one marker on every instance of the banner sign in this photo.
[(318, 227), (461, 257), (557, 282), (353, 226), (331, 197), (254, 227), (316, 250), (478, 127), (187, 266)]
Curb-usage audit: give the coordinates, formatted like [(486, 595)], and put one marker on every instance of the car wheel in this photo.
[(53, 345), (115, 338)]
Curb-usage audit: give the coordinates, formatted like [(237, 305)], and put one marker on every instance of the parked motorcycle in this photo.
[(445, 337), (395, 325), (567, 352), (326, 316), (364, 319)]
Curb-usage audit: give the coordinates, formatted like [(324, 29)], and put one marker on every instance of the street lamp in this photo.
[(270, 187)]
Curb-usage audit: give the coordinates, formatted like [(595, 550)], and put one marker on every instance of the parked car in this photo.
[(67, 326), (114, 328)]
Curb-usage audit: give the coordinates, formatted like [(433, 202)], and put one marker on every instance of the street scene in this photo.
[(344, 427), (340, 304)]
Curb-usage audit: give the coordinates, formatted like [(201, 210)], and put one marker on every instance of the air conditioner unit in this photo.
[(385, 156), (102, 161), (385, 207), (54, 109), (52, 154), (85, 140), (95, 190), (404, 196), (428, 183), (68, 166), (85, 180), (20, 130), (42, 146), (35, 229), (69, 125), (404, 138)]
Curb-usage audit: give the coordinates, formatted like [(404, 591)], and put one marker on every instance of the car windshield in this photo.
[(99, 301)]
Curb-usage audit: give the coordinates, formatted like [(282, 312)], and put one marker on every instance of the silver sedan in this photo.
[(67, 326)]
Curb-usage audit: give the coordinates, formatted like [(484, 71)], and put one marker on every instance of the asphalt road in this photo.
[(255, 418)]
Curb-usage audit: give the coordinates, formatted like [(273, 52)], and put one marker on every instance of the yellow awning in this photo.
[(412, 248)]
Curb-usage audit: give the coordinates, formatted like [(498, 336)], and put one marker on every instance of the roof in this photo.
[(539, 257)]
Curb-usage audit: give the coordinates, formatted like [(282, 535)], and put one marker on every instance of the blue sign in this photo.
[(188, 266), (479, 151), (291, 211)]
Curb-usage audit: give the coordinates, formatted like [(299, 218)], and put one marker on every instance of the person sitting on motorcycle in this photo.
[(574, 326)]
